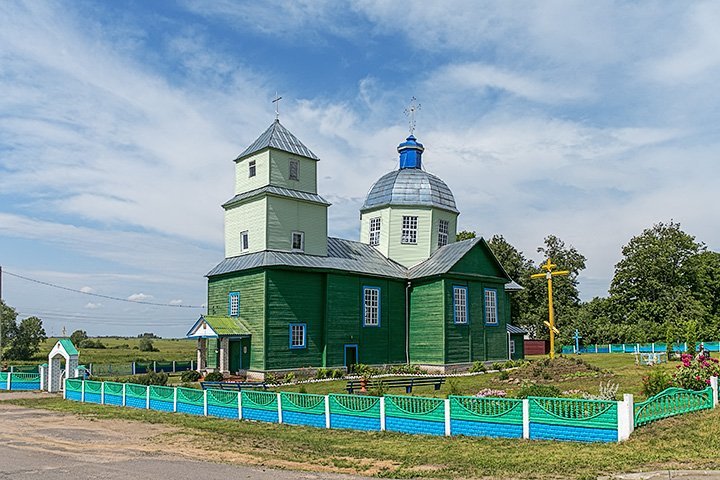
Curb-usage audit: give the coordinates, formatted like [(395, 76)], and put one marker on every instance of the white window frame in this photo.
[(234, 304), (252, 168), (294, 172), (460, 304), (371, 306), (512, 347), (298, 335), (375, 225), (443, 232), (244, 241), (409, 230), (302, 242), (491, 307)]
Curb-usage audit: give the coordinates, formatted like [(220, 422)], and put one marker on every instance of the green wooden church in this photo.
[(287, 296)]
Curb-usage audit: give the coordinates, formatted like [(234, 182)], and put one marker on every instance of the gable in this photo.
[(479, 260)]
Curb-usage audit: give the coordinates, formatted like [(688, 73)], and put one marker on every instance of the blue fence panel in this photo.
[(301, 418)]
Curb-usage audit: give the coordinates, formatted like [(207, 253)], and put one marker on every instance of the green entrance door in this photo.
[(240, 354)]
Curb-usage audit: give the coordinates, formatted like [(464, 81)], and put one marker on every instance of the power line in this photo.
[(108, 297)]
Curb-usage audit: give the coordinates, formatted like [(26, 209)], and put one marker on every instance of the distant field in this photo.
[(125, 349)]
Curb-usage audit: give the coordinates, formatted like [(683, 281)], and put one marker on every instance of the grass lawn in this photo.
[(124, 350), (616, 368), (688, 442)]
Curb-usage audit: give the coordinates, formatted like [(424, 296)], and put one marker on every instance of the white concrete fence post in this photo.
[(279, 400), (526, 417), (82, 391), (626, 420), (447, 417), (124, 398), (102, 393), (64, 389), (175, 399), (9, 379), (205, 409), (154, 366), (327, 411), (173, 366), (240, 405), (382, 414), (714, 385), (132, 366), (147, 397)]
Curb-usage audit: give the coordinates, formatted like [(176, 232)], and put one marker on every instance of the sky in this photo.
[(119, 122)]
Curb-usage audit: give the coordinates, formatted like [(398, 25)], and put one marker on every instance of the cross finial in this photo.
[(410, 113), (276, 101)]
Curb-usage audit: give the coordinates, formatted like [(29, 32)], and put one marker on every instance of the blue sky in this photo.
[(119, 122)]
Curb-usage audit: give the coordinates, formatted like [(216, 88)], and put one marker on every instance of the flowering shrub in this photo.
[(489, 392), (695, 373)]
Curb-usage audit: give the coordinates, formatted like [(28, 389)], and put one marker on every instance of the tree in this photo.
[(666, 279), (518, 267), (78, 336), (146, 345), (8, 327), (464, 235), (30, 334)]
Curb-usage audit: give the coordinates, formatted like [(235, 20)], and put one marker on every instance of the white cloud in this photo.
[(93, 306), (87, 289), (140, 297), (177, 301)]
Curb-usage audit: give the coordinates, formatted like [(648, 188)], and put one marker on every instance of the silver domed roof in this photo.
[(410, 186)]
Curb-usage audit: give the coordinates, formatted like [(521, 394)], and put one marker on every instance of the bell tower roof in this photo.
[(278, 137)]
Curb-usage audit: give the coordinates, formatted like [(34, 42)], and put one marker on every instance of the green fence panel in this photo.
[(93, 387), (143, 367), (191, 396), (259, 400), (359, 406), (574, 412), (182, 366), (73, 385), (135, 391), (416, 408), (223, 398), (165, 394), (492, 410), (113, 388), (25, 369), (166, 367), (303, 402), (671, 402), (111, 369), (3, 380)]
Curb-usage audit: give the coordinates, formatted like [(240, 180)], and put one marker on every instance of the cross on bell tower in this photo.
[(276, 101), (410, 113)]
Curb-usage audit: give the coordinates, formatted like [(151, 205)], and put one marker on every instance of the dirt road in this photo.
[(39, 444)]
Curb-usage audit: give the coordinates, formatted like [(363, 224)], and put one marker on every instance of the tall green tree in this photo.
[(8, 327), (519, 268), (30, 334), (464, 235), (661, 284)]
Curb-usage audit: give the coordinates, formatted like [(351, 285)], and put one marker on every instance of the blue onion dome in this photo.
[(410, 185)]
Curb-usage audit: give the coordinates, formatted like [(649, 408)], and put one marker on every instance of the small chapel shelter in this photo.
[(63, 349), (287, 296)]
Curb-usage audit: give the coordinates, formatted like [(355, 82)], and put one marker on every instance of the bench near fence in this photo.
[(236, 386), (407, 383)]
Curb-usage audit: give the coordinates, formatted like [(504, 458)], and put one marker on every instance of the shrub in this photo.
[(214, 377), (289, 377), (378, 389), (453, 387), (322, 373), (497, 366), (509, 364), (535, 390), (504, 375), (695, 373), (146, 345), (478, 367), (150, 378), (338, 373), (90, 343), (190, 376), (607, 392), (302, 389), (655, 382), (489, 392)]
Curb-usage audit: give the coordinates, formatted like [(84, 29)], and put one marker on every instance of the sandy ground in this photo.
[(44, 444)]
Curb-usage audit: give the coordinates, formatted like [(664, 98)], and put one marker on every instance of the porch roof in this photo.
[(219, 326)]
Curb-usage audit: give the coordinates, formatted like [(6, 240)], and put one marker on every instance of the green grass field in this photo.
[(125, 349), (688, 442)]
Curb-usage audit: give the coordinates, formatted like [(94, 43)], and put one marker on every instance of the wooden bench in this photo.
[(407, 383), (233, 385)]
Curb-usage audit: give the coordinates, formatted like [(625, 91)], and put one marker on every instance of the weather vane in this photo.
[(276, 101), (410, 113)]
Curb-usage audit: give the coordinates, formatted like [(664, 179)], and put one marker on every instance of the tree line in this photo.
[(666, 288), (19, 341)]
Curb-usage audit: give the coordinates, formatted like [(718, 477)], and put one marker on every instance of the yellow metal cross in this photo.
[(549, 273)]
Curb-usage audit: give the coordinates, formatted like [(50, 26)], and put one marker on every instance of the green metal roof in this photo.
[(68, 346), (226, 326)]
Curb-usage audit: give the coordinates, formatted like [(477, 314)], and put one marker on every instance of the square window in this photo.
[(460, 305), (491, 317), (371, 307), (244, 241), (252, 168), (443, 230), (375, 231), (298, 241), (512, 347), (409, 230), (294, 167), (297, 335), (234, 304)]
